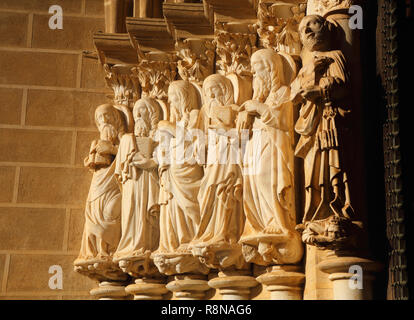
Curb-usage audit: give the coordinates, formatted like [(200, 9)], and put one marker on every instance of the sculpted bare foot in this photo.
[(272, 229)]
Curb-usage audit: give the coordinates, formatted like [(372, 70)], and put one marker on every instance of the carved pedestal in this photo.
[(234, 285), (148, 289), (351, 277), (189, 287), (283, 282), (110, 290)]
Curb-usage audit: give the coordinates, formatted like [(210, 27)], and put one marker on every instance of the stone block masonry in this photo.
[(48, 94)]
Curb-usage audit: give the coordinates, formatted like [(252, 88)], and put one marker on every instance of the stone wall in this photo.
[(48, 93)]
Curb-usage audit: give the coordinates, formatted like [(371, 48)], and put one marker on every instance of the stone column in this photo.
[(148, 289), (284, 282), (189, 286), (351, 276), (110, 290), (234, 284)]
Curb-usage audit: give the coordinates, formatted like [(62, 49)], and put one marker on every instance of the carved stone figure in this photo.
[(322, 88), (180, 178), (136, 170), (220, 196), (102, 229), (268, 183)]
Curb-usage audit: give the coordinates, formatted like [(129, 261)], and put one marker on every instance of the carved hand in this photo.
[(311, 93), (254, 107)]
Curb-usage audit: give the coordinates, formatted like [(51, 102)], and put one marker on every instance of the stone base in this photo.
[(189, 287), (284, 282), (109, 290), (148, 289), (234, 285), (351, 276)]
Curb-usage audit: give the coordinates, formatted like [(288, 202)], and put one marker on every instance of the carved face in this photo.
[(142, 119), (313, 32), (261, 80), (105, 120), (214, 94), (175, 103)]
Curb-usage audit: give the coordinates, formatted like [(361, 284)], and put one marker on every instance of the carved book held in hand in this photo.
[(145, 146), (96, 159)]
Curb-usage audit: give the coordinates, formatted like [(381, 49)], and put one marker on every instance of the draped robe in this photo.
[(268, 167), (102, 216), (140, 209)]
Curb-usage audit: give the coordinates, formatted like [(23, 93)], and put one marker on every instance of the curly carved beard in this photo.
[(108, 132), (141, 128), (261, 87)]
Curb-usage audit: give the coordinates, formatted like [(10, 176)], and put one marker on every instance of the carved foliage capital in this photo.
[(278, 26), (234, 49), (196, 59), (322, 7), (123, 82), (155, 77)]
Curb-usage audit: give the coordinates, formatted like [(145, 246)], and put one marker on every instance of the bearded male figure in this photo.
[(136, 170), (102, 229), (220, 195), (325, 143), (180, 178), (268, 182)]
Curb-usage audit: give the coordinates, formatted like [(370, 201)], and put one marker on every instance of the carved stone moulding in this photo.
[(115, 48), (278, 25), (150, 34), (186, 20), (179, 263), (100, 269), (271, 249), (231, 10), (220, 255), (140, 264)]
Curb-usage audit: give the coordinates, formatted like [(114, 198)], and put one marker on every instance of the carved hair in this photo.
[(224, 83), (154, 110), (118, 122), (187, 94), (273, 62)]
